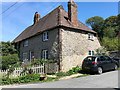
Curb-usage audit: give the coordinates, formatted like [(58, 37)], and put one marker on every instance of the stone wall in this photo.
[(75, 47), (36, 45)]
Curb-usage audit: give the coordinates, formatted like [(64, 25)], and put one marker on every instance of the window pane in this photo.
[(98, 59), (102, 58), (31, 55), (90, 36), (45, 54), (92, 52), (25, 43), (90, 58), (89, 52), (24, 56), (107, 58), (45, 36)]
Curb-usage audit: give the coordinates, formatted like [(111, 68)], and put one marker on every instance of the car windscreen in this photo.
[(90, 58)]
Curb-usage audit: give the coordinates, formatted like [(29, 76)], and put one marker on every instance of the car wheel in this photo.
[(115, 67), (100, 70)]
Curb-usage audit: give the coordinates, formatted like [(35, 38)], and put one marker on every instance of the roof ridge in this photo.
[(59, 7)]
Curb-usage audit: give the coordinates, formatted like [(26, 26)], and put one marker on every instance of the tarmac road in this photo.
[(105, 80)]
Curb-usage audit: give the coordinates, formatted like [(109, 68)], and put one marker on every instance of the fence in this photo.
[(41, 69), (18, 71)]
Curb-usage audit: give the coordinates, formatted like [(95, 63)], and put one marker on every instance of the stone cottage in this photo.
[(58, 36)]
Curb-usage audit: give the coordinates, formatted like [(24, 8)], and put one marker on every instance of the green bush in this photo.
[(41, 61), (9, 60), (101, 51), (60, 74), (6, 81), (70, 72), (23, 79), (15, 80), (29, 78), (111, 44), (76, 69), (36, 77), (7, 48), (35, 62), (73, 71), (10, 71)]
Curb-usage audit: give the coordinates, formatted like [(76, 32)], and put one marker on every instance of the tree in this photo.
[(107, 30), (96, 24), (118, 19), (9, 55), (8, 60), (110, 44), (7, 48), (112, 22), (101, 51)]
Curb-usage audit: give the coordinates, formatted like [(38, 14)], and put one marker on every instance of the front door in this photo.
[(31, 55)]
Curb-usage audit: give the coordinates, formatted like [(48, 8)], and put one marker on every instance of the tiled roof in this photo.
[(58, 17)]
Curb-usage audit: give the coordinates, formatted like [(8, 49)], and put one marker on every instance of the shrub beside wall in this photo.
[(8, 60), (23, 79)]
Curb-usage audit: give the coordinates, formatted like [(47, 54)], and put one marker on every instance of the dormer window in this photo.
[(45, 36), (90, 36), (25, 43)]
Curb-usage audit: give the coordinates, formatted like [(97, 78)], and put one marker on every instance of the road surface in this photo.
[(105, 80)]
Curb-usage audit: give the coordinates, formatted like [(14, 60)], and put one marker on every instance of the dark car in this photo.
[(116, 59), (99, 64)]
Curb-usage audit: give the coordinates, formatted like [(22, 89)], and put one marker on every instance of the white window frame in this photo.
[(90, 36), (25, 43), (25, 58), (31, 55), (45, 36), (91, 52), (44, 54)]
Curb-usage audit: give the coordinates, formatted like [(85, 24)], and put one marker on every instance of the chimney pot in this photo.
[(36, 17)]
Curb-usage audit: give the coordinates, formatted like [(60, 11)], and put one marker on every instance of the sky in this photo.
[(20, 16)]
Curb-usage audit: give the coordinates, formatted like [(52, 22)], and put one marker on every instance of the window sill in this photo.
[(45, 40), (91, 39), (25, 46)]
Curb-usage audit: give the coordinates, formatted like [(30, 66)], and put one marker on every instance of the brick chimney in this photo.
[(72, 12), (36, 17)]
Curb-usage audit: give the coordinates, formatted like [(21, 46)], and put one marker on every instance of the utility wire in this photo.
[(53, 6), (9, 7), (13, 10)]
